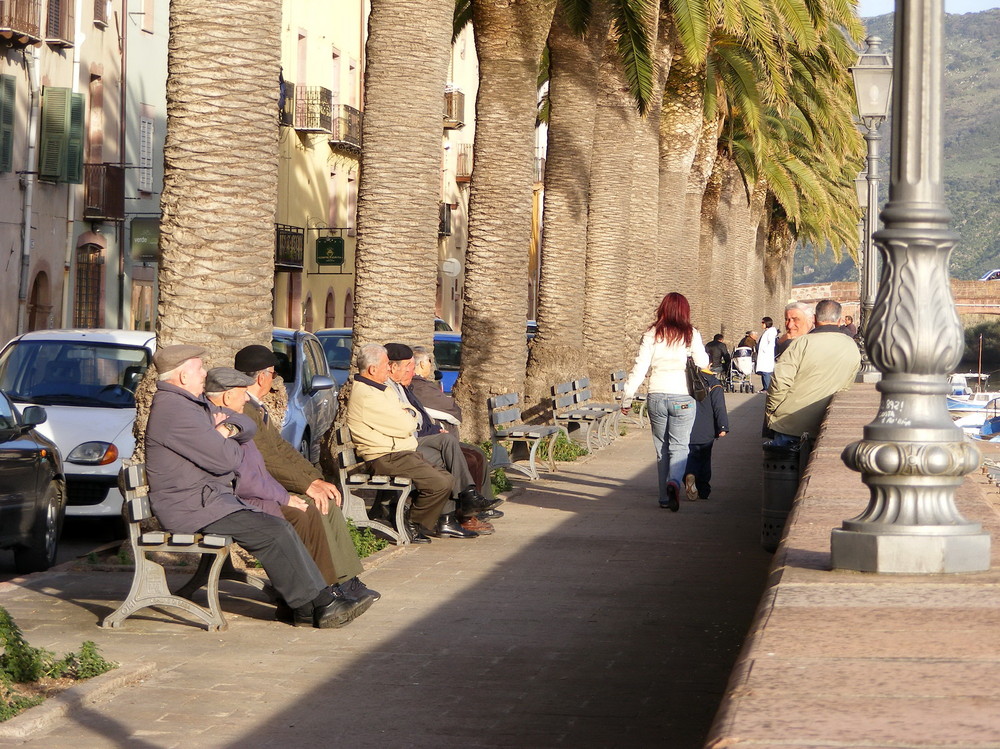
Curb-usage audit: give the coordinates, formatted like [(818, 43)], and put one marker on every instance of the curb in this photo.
[(42, 717)]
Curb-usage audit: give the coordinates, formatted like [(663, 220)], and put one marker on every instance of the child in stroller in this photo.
[(741, 366)]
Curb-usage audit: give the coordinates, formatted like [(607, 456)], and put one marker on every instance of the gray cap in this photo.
[(221, 379), (171, 357)]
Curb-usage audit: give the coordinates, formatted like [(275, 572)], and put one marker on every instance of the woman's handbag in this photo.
[(697, 387)]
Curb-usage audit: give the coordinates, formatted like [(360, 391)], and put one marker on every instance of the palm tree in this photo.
[(220, 176), (509, 42)]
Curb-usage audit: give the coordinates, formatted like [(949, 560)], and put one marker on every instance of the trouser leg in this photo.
[(700, 466), (478, 468), (433, 485), (308, 525), (444, 451), (273, 541), (656, 405), (342, 551), (680, 421)]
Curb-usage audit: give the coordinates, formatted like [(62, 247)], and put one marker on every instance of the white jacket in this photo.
[(765, 349), (665, 363)]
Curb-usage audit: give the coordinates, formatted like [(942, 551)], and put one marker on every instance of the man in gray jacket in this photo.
[(192, 454)]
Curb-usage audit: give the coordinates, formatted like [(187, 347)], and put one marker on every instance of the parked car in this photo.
[(312, 392), (993, 275), (447, 351), (86, 380), (440, 324), (32, 488)]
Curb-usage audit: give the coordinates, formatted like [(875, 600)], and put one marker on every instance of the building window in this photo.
[(348, 311), (142, 305), (8, 100), (352, 203), (330, 312), (59, 22), (101, 13), (60, 153), (145, 152), (87, 305)]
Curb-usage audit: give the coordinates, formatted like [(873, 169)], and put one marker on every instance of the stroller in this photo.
[(741, 370)]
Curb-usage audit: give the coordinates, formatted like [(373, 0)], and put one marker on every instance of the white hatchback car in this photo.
[(86, 380)]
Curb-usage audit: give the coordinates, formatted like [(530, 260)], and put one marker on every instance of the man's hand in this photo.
[(722, 434), (322, 492), (297, 502)]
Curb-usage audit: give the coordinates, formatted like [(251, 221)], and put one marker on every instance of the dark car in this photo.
[(447, 352), (32, 489)]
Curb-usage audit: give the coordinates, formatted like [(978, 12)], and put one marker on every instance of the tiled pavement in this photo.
[(591, 619)]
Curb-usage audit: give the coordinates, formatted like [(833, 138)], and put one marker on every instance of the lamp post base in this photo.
[(921, 554)]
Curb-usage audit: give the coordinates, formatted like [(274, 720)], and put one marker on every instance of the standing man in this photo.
[(718, 355), (296, 474), (191, 468), (813, 368), (765, 352)]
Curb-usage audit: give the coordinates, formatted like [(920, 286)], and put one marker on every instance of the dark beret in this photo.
[(171, 357), (398, 351), (221, 379), (254, 358)]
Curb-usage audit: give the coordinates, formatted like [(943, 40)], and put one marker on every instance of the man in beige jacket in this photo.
[(807, 375)]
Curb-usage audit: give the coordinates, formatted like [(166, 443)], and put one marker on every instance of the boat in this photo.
[(968, 399), (990, 429)]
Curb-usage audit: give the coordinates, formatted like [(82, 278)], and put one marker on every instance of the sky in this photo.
[(869, 8)]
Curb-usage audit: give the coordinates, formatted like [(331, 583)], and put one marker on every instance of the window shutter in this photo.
[(145, 154), (74, 146), (55, 131), (8, 100)]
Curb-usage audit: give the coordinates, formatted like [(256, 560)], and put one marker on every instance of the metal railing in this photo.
[(347, 126), (313, 108), (444, 222), (454, 109), (463, 162), (289, 247), (19, 20), (104, 192)]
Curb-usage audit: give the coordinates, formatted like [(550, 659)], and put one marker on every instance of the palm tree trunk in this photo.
[(399, 191), (554, 355), (220, 177), (509, 42), (714, 214), (701, 171)]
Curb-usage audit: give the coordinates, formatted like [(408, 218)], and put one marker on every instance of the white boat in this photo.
[(968, 399), (989, 431)]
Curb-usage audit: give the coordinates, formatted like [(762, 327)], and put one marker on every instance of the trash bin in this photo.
[(781, 482)]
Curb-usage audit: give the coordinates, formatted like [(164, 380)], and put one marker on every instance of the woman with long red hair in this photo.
[(664, 350)]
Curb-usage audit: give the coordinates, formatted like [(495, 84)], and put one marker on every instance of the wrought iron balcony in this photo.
[(19, 22), (104, 192), (286, 103), (444, 221), (289, 247), (346, 135), (313, 109), (463, 163), (454, 109)]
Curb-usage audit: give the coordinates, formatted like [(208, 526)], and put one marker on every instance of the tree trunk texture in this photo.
[(509, 40), (696, 283), (712, 242), (680, 128), (778, 264), (554, 355), (608, 329), (758, 303), (399, 191), (220, 176)]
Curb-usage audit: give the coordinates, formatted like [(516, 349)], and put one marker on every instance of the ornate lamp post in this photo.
[(872, 91), (912, 456)]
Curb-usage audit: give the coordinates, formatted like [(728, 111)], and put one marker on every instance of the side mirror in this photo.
[(32, 416), (321, 382), (438, 375)]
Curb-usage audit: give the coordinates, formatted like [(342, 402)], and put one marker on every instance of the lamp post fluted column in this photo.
[(912, 456)]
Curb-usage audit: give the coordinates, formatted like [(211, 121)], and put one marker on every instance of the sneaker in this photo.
[(357, 590), (673, 492), (690, 488)]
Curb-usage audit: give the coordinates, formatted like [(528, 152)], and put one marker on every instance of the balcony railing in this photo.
[(104, 192), (444, 220), (19, 21), (289, 247), (286, 103), (454, 109), (463, 163), (313, 109), (346, 133)]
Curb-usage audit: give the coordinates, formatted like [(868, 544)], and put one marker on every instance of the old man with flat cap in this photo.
[(193, 451)]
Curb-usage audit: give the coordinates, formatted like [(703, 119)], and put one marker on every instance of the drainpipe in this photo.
[(122, 116), (28, 177), (67, 312)]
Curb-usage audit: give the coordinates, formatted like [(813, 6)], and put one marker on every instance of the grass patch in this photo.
[(566, 450), (365, 541)]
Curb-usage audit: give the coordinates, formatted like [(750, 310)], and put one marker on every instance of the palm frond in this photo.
[(635, 23), (462, 17)]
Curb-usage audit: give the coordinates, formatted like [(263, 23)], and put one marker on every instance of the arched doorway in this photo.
[(40, 302), (330, 311), (349, 311), (307, 313), (88, 306)]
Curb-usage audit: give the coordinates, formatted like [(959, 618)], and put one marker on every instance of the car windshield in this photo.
[(338, 350), (448, 354), (73, 373)]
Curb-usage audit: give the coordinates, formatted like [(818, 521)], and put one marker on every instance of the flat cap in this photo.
[(254, 358), (221, 379), (171, 357), (398, 351)]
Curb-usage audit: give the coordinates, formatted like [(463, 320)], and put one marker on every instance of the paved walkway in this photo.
[(593, 618)]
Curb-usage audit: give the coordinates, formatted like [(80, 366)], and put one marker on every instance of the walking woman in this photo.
[(664, 350)]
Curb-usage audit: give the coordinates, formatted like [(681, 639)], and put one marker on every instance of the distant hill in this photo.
[(971, 131)]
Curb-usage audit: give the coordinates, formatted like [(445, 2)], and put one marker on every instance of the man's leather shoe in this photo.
[(448, 526), (357, 590), (416, 533), (476, 525), (489, 515), (470, 502)]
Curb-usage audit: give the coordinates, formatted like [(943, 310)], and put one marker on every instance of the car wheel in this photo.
[(305, 448), (41, 554)]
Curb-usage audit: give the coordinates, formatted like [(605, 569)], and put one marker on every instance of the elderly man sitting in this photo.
[(193, 451)]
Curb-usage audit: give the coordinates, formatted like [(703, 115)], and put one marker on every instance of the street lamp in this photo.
[(872, 75), (912, 456)]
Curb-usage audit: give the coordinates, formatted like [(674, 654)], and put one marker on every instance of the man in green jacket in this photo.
[(807, 375), (296, 474)]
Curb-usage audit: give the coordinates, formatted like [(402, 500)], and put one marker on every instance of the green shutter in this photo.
[(54, 137), (8, 99), (74, 147)]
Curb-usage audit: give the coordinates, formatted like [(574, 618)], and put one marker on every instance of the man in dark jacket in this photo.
[(296, 474), (718, 355), (711, 421), (193, 450)]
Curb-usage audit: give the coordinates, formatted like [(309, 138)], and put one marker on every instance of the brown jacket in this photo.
[(283, 461)]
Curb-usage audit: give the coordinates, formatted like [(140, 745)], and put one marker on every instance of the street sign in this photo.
[(330, 251)]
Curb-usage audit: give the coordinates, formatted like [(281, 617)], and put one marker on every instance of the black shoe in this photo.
[(340, 612), (449, 526), (357, 590), (283, 612), (470, 502), (416, 533), (672, 502), (489, 515)]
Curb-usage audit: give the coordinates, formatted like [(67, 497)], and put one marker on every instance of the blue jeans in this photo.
[(765, 379), (671, 417)]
